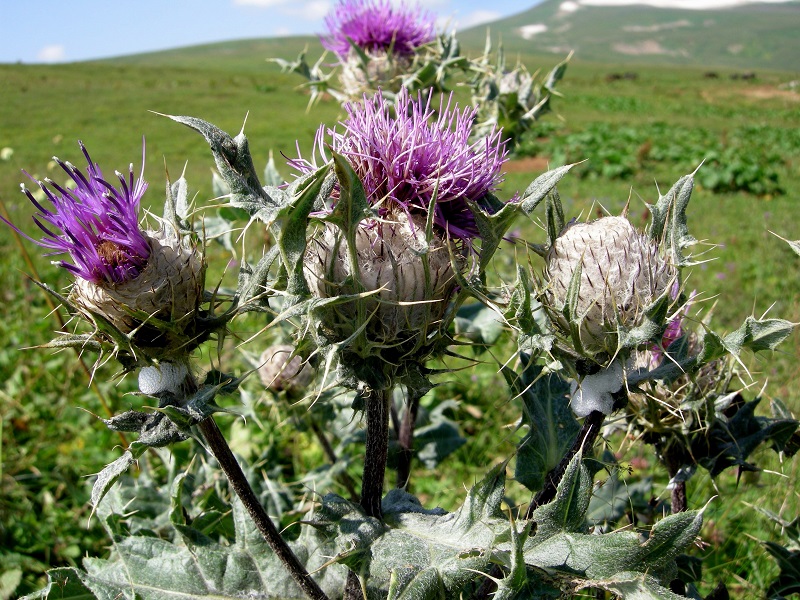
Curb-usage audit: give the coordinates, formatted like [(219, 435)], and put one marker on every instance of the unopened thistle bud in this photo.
[(410, 282), (622, 273), (147, 284), (381, 71), (280, 371)]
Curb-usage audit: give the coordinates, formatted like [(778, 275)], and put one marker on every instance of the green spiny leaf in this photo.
[(234, 164), (176, 206), (112, 472), (65, 583), (567, 511), (637, 586), (758, 335), (291, 224), (668, 225), (552, 424), (541, 187)]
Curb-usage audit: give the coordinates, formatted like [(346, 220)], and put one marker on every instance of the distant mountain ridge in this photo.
[(747, 36)]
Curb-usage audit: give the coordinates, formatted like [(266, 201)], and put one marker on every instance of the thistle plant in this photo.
[(512, 99), (380, 256), (141, 293), (611, 311), (420, 174), (382, 47), (399, 260)]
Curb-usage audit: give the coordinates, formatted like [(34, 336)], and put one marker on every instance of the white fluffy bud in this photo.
[(390, 262), (622, 273), (382, 72), (166, 377), (279, 370)]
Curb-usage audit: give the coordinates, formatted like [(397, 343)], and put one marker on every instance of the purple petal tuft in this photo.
[(377, 25), (94, 222), (408, 154)]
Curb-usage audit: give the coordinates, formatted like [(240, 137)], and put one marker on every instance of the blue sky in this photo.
[(34, 31)]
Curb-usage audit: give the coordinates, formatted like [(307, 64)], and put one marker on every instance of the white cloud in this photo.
[(477, 17), (687, 4), (53, 53), (316, 9), (569, 6)]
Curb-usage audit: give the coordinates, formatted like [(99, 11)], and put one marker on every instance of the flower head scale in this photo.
[(620, 274), (94, 222), (376, 25), (409, 155)]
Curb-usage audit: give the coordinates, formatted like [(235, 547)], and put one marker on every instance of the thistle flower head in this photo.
[(93, 221), (410, 281), (678, 403), (622, 273), (376, 25), (413, 159), (281, 370), (146, 284), (168, 289)]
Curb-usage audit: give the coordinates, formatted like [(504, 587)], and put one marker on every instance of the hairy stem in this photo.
[(584, 440), (222, 452), (678, 499), (377, 448), (405, 437)]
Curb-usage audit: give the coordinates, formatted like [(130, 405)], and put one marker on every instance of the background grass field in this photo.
[(51, 439)]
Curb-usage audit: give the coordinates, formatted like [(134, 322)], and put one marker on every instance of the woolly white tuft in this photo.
[(593, 392), (166, 377)]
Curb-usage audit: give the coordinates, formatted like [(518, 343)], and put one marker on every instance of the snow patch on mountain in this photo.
[(573, 5)]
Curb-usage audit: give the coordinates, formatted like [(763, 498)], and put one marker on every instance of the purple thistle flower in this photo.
[(95, 223), (674, 329), (407, 160), (377, 25)]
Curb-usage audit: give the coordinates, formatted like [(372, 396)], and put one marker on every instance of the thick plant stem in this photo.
[(584, 440), (678, 500), (377, 448), (222, 452), (678, 496), (405, 437)]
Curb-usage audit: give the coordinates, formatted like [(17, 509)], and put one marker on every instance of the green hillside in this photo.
[(743, 38), (240, 56), (760, 36)]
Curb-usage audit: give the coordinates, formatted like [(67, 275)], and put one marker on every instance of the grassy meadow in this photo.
[(51, 437)]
